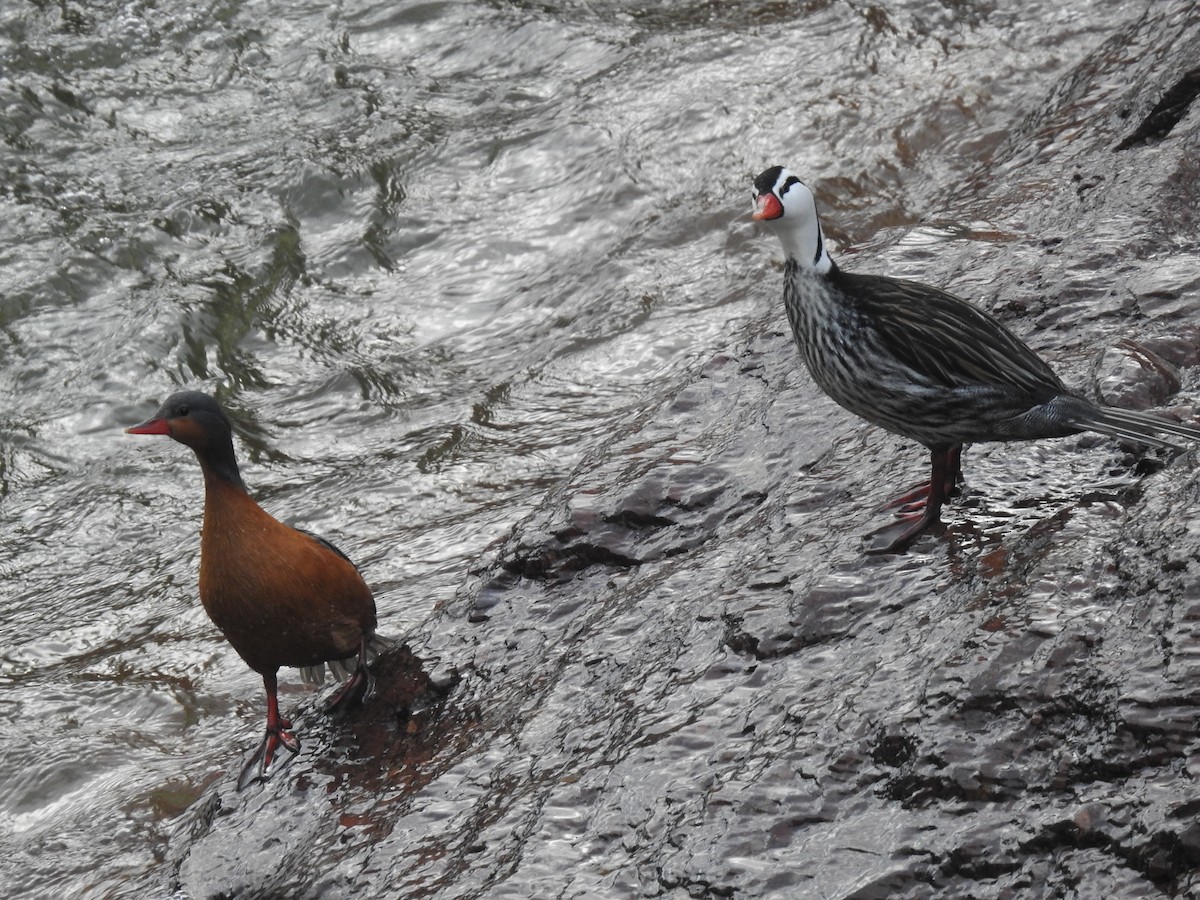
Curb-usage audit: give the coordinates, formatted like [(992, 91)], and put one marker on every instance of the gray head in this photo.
[(196, 420)]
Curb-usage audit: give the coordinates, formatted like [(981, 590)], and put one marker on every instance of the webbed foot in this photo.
[(357, 689), (278, 737)]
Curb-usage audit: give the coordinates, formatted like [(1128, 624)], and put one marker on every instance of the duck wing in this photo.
[(949, 341)]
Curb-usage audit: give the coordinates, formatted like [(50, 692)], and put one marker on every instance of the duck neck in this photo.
[(220, 468), (806, 247)]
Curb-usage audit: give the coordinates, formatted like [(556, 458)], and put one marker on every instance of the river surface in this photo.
[(433, 257)]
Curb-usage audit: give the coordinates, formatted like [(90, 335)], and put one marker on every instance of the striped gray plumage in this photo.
[(921, 362)]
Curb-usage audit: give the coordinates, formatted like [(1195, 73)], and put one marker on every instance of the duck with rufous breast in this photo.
[(280, 596)]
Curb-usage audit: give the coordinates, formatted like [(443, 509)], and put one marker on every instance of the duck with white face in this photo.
[(921, 362)]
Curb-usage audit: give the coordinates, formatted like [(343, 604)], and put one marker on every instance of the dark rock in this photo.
[(681, 677), (271, 838), (1132, 376), (1166, 112)]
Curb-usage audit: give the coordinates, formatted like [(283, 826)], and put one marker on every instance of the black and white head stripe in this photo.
[(776, 180), (786, 205)]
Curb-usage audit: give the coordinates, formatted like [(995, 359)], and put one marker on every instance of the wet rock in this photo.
[(663, 515), (1132, 376), (1180, 347), (681, 677), (1166, 112), (1170, 288), (275, 838)]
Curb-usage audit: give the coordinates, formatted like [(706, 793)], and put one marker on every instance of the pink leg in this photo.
[(917, 516), (954, 475), (909, 500), (914, 500), (279, 734), (358, 687)]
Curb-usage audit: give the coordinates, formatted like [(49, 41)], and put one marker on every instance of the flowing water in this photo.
[(432, 256)]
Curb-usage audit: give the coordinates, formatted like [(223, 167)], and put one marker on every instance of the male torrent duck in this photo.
[(923, 363), (281, 596)]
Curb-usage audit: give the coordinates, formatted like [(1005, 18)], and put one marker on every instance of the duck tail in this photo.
[(343, 669), (1143, 428)]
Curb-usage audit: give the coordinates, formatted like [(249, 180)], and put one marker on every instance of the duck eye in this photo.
[(183, 410)]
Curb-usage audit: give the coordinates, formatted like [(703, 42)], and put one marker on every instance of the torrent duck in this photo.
[(281, 596), (920, 362)]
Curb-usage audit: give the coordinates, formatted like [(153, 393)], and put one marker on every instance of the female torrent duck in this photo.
[(281, 596)]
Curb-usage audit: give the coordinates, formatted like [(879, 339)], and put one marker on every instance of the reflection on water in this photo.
[(432, 255)]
